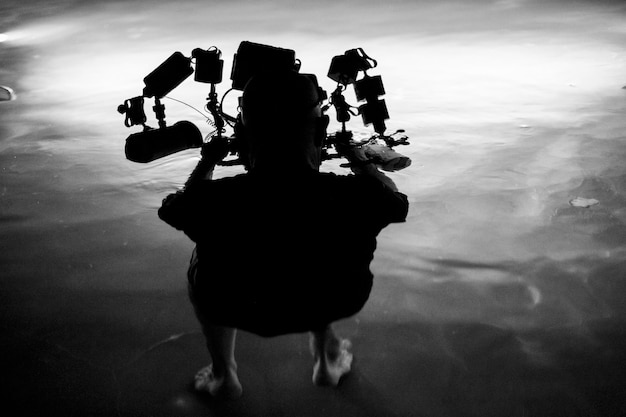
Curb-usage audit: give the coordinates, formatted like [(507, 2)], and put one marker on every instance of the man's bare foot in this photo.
[(332, 364), (224, 387)]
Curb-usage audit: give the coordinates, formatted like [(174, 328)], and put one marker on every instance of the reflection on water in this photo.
[(514, 109)]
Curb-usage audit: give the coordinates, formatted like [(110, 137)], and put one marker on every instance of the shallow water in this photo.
[(513, 108)]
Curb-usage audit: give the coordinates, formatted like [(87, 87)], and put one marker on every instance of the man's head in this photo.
[(283, 122)]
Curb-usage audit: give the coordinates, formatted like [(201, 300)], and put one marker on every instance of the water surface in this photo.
[(514, 109)]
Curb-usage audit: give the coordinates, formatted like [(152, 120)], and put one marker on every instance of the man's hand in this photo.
[(215, 150), (212, 153), (354, 154), (360, 164)]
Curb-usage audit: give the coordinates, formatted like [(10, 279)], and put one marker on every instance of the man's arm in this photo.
[(212, 153), (175, 209)]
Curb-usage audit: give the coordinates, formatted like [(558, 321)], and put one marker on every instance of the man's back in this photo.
[(281, 254)]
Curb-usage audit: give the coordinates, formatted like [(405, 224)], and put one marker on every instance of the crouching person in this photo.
[(282, 248)]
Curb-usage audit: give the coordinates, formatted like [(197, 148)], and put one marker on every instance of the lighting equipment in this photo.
[(252, 59)]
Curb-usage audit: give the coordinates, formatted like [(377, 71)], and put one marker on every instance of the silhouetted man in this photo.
[(283, 248)]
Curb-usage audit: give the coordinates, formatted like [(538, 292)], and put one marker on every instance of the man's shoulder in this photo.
[(351, 182), (235, 181), (368, 193), (333, 178), (239, 178)]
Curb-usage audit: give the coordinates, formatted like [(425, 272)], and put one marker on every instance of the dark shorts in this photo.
[(270, 306)]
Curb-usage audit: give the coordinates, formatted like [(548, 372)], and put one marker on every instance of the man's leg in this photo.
[(331, 355), (220, 378)]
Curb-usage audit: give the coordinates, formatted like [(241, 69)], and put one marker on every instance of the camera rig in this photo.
[(251, 59)]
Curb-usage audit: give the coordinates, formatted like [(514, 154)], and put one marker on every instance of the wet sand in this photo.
[(498, 297), (132, 354)]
